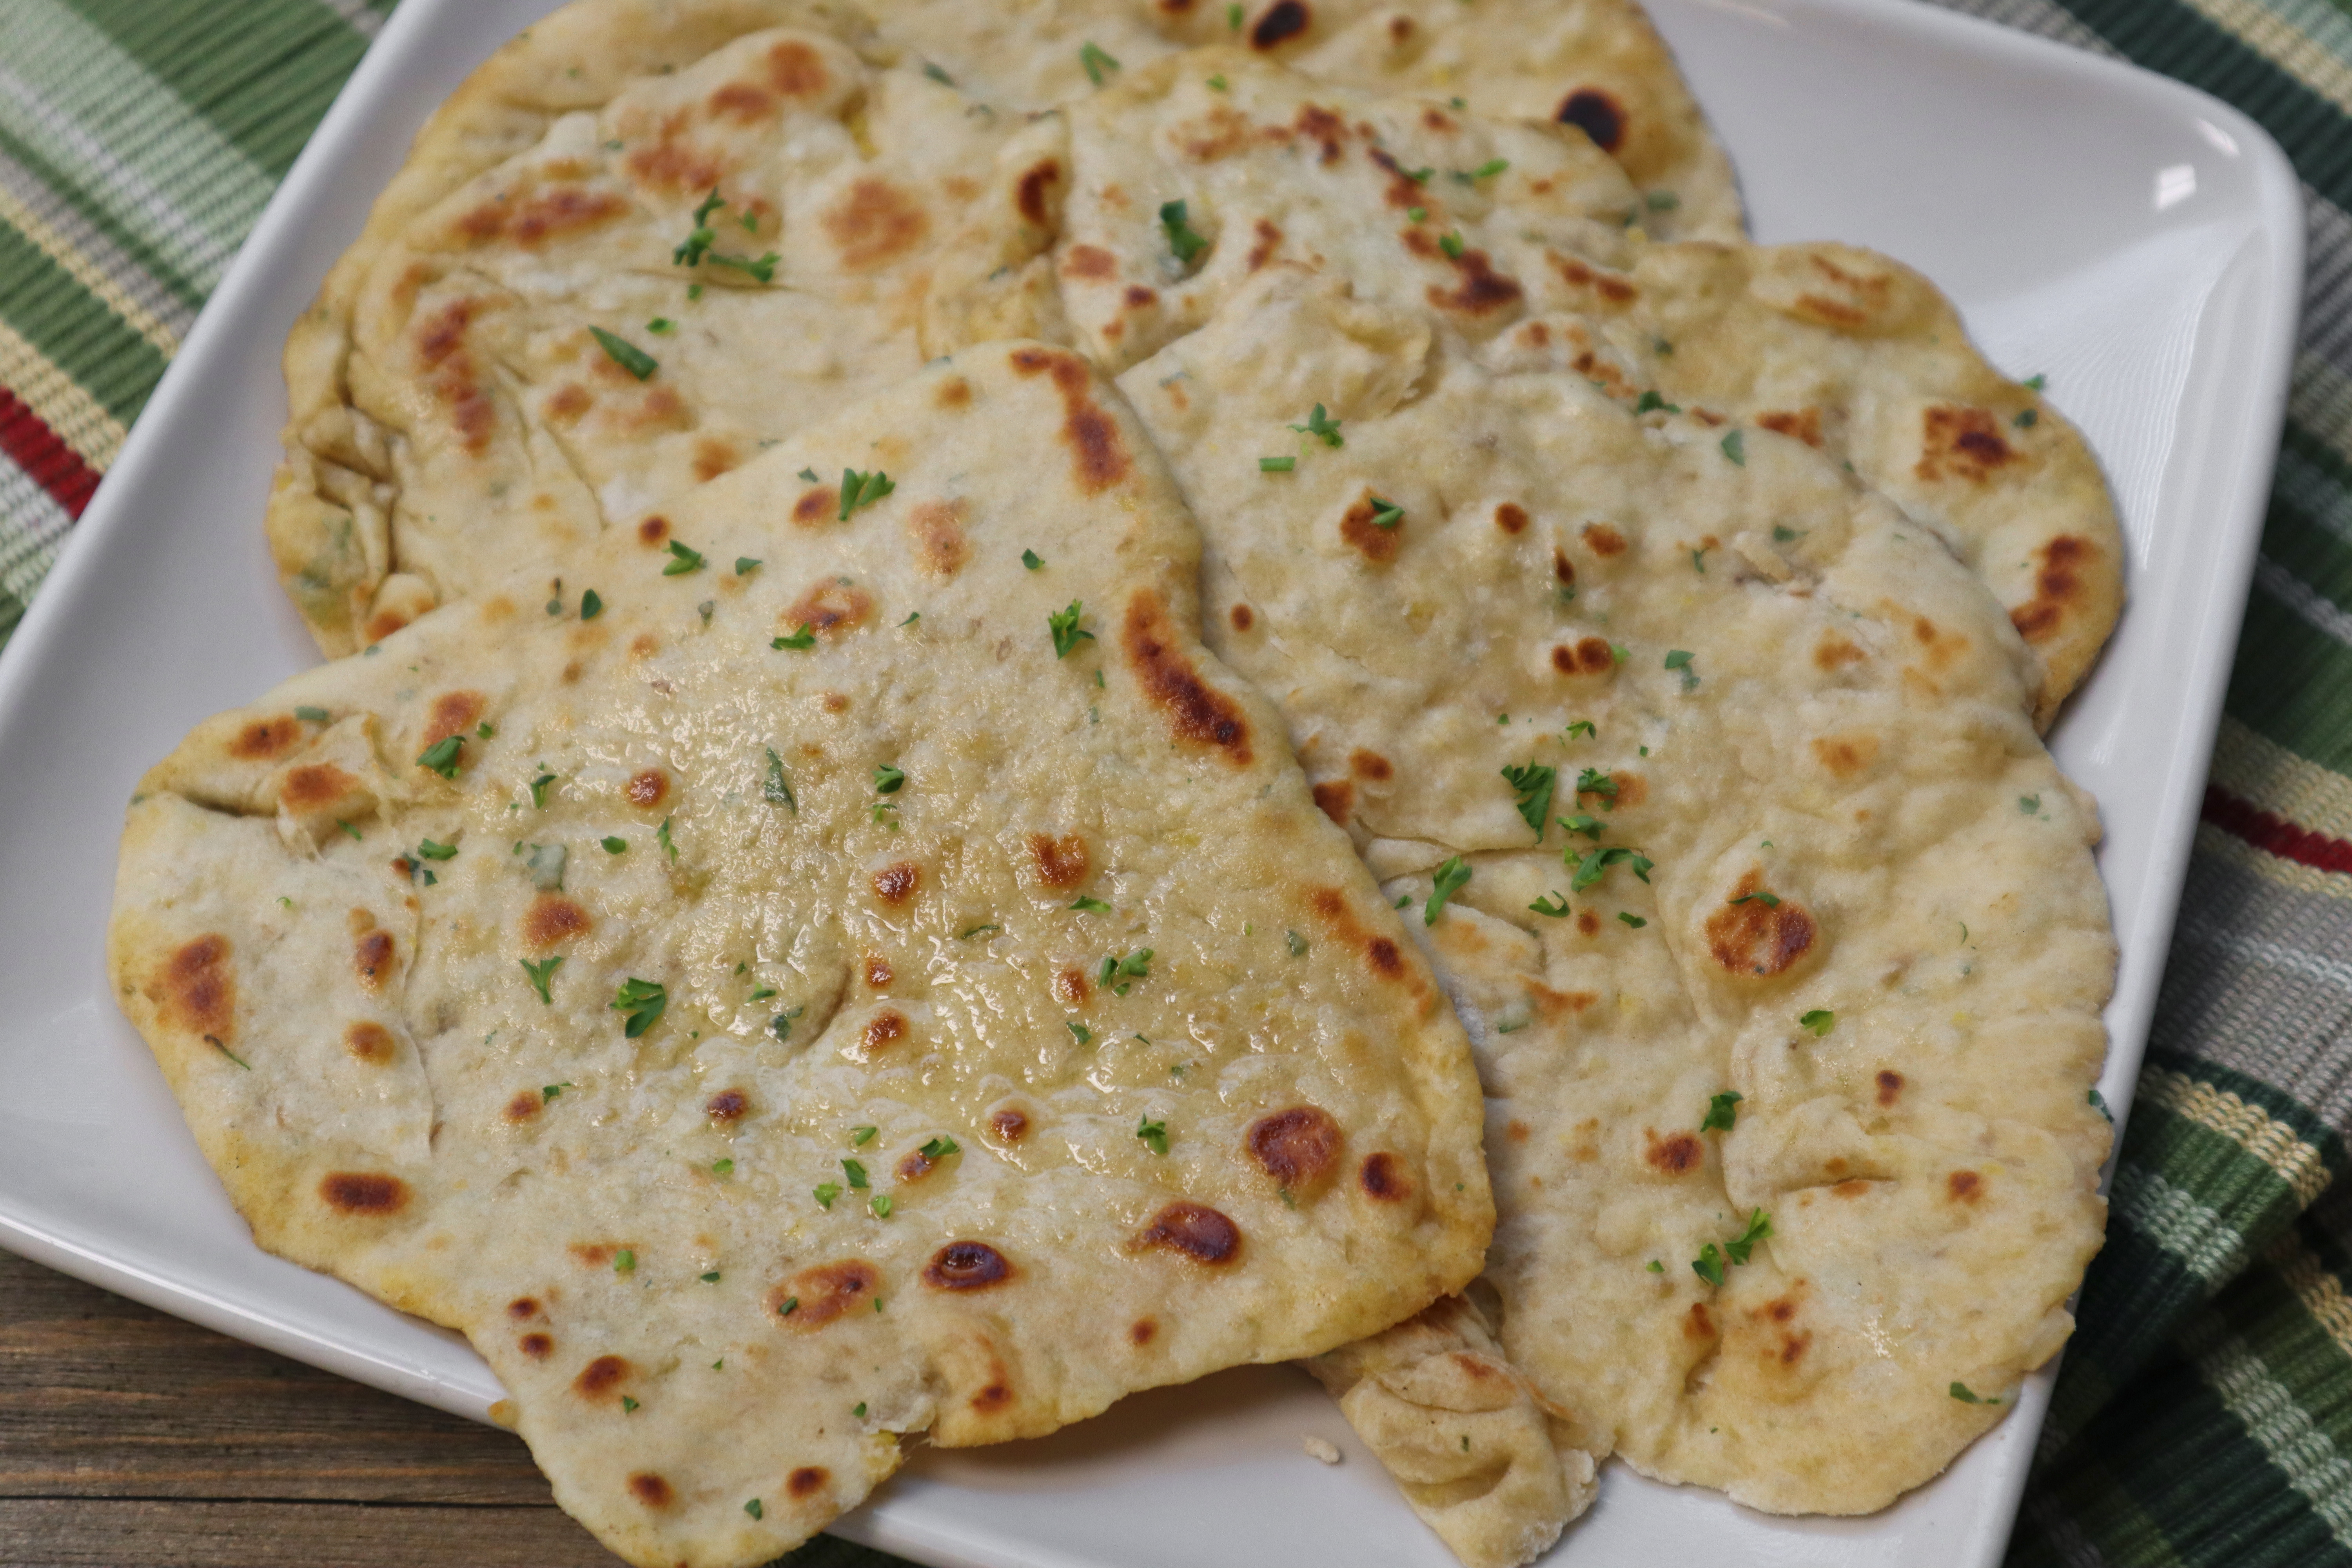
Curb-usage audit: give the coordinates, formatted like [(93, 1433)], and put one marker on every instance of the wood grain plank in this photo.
[(45, 1532)]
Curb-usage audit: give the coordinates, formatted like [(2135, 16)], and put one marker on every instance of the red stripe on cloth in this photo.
[(2274, 834), (42, 453)]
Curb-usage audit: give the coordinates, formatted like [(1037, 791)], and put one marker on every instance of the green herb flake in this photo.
[(858, 1409), (662, 837), (614, 846), (1552, 905), (1655, 1266), (1234, 18), (1759, 1229), (744, 564), (441, 756), (625, 353), (641, 1003), (1769, 900), (1064, 626), (624, 1262), (2026, 419), (591, 604), (1966, 1395), (1386, 513), (1636, 921), (1708, 1264), (1418, 214), (539, 790), (1154, 1135), (889, 780), (1079, 1032), (1181, 238), (552, 1091), (1450, 243), (1821, 1021), (1722, 1111), (712, 1277), (1095, 61), (1276, 465), (1592, 781), (2029, 806), (753, 1508), (1650, 401), (1595, 865), (1217, 82), (1591, 826), (862, 490), (2098, 1103), (1451, 877), (856, 1171), (2036, 383), (912, 619), (941, 1148), (312, 715), (540, 974), (629, 1406), (1735, 446), (991, 927), (1295, 943), (1533, 783), (825, 1192), (803, 638), (661, 326), (1088, 906), (880, 1205), (430, 850), (1031, 560), (1583, 726), (944, 79), (1321, 426)]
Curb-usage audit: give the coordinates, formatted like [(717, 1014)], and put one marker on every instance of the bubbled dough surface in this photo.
[(366, 1065), (1857, 745)]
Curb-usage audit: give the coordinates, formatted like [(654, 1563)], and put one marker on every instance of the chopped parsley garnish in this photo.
[(753, 1508), (1092, 56), (889, 780), (1582, 724), (1759, 1229), (1295, 943), (862, 490), (698, 243), (1655, 1267), (939, 1148), (712, 1277), (803, 638), (880, 1204), (1662, 201), (1534, 783), (1961, 1392), (591, 604), (912, 616), (540, 974), (1031, 560), (662, 837), (856, 1171), (641, 1002), (661, 326), (539, 790), (1783, 534), (1386, 513), (1821, 1021), (1233, 17), (1322, 427), (1592, 781), (1595, 865), (978, 930), (1218, 82), (810, 475), (721, 1168), (776, 788), (744, 564), (858, 1409), (2037, 382), (441, 756), (311, 715), (2026, 419), (1554, 905), (2028, 804), (1680, 659), (783, 1022), (1418, 214), (1064, 625), (861, 1136), (1485, 171), (430, 850), (1769, 900), (1154, 1135), (624, 1262), (1636, 921), (1181, 239), (1708, 1264), (552, 1090), (685, 560), (1090, 906), (1136, 965), (626, 354), (825, 1192), (1451, 877), (1698, 560), (1079, 1032), (1276, 465), (1589, 826), (1451, 244), (1649, 400), (629, 1405), (1722, 1111), (2098, 1103), (1419, 176), (762, 993), (616, 845), (1735, 446)]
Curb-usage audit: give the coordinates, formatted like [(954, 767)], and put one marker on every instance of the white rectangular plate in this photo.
[(2137, 241)]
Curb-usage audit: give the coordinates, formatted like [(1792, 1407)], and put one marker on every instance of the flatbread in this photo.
[(1024, 1036), (1810, 729), (1855, 353), (455, 417), (1598, 65)]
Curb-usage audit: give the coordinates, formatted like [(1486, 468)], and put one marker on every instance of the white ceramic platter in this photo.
[(2138, 242)]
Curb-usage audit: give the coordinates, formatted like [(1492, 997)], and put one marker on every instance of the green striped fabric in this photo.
[(2204, 1415)]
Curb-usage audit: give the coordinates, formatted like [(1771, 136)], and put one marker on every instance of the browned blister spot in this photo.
[(896, 882), (647, 788), (807, 1482), (371, 957), (386, 621), (1384, 1178), (1587, 922), (1478, 289), (1697, 1324), (878, 972), (1088, 261), (1586, 656), (816, 505), (796, 70), (651, 1490), (2059, 587), (1834, 652), (1369, 764), (1243, 617), (603, 1376), (1138, 298), (1511, 516), (1143, 1331), (644, 645), (1964, 1187), (884, 1029), (744, 103), (937, 529), (522, 1308), (1375, 543), (653, 531), (524, 1105), (453, 379), (1853, 1189), (313, 785), (1195, 1230), (595, 1254), (1604, 540), (1265, 239), (1437, 120), (992, 1397), (1386, 959), (265, 738), (1033, 193), (1755, 938), (1299, 1147), (1804, 425), (455, 713), (1071, 988), (1195, 711), (1612, 288), (1677, 1154), (370, 1043), (1010, 1125), (727, 1105), (830, 610), (954, 392), (874, 223), (553, 918), (199, 988), (1336, 800), (966, 1266), (1890, 1086), (1846, 755), (557, 213), (1061, 863), (570, 402), (1282, 21), (1097, 454), (1965, 443), (1326, 130), (363, 1192), (1596, 113), (539, 1347), (825, 1293)]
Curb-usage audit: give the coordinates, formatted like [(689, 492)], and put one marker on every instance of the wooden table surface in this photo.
[(129, 1440)]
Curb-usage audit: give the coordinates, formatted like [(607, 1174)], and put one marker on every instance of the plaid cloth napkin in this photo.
[(2205, 1412)]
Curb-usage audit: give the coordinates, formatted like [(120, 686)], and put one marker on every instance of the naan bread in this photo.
[(766, 1054), (1597, 65), (1845, 350), (454, 416), (1844, 881)]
